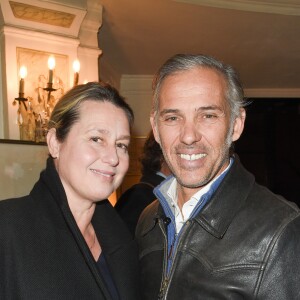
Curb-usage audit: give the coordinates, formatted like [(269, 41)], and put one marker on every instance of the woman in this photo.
[(64, 240)]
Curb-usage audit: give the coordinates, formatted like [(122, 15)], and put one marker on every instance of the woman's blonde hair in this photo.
[(66, 111)]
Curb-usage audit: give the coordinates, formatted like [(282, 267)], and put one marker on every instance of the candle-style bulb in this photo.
[(76, 66), (76, 69), (51, 66), (51, 62), (23, 74)]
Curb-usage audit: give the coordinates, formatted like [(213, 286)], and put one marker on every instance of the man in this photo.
[(154, 170), (215, 233)]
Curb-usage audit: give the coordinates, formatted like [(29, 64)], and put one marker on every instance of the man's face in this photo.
[(192, 125)]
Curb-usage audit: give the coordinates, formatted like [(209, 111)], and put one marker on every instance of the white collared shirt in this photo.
[(182, 216)]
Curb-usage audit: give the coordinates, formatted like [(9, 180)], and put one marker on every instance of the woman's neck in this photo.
[(83, 217)]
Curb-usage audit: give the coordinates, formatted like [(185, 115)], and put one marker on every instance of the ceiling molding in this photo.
[(142, 84), (41, 14), (272, 93), (283, 8)]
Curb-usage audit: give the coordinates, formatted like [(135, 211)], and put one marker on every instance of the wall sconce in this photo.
[(21, 99), (33, 117)]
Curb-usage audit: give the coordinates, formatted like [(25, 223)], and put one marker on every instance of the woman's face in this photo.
[(93, 159)]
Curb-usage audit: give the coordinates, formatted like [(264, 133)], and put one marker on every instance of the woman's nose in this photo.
[(110, 156)]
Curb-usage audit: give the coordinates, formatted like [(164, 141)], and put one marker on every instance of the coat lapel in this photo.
[(117, 245), (233, 191)]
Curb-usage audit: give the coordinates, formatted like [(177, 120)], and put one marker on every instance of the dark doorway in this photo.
[(270, 145)]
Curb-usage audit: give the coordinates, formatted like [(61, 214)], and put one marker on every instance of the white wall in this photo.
[(20, 167)]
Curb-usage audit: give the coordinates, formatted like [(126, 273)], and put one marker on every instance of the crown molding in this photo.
[(143, 84), (282, 8), (39, 15), (272, 93), (37, 36)]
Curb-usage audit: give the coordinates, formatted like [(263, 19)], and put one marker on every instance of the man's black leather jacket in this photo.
[(244, 244)]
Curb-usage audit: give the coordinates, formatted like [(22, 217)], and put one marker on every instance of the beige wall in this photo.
[(138, 93)]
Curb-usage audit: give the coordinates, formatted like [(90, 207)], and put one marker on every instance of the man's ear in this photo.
[(53, 143), (238, 126), (154, 128)]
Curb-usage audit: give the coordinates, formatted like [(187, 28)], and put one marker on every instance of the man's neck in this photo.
[(184, 194)]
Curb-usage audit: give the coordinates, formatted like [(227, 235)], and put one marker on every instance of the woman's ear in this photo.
[(53, 143)]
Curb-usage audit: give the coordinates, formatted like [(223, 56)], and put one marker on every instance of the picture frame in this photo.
[(20, 165)]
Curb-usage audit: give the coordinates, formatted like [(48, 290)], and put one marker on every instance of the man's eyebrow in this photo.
[(210, 107), (168, 111), (202, 108)]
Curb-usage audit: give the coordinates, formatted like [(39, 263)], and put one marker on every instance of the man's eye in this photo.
[(170, 120), (210, 116), (95, 139)]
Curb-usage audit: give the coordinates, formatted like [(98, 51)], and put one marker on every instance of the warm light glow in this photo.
[(51, 62), (23, 72), (113, 198), (85, 81), (76, 66)]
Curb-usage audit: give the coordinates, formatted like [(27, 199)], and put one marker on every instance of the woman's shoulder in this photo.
[(14, 214), (14, 204)]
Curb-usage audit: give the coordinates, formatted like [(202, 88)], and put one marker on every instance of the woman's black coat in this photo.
[(43, 255)]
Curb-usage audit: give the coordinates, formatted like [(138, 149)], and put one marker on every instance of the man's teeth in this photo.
[(192, 157)]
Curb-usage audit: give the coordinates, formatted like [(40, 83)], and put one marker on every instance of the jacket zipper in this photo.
[(164, 282), (168, 254)]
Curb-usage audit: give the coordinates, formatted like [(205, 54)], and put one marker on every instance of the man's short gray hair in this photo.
[(183, 62)]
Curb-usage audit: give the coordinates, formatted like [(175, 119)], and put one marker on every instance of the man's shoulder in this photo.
[(242, 191), (262, 204), (266, 198)]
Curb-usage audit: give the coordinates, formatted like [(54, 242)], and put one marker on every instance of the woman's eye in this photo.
[(123, 147)]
